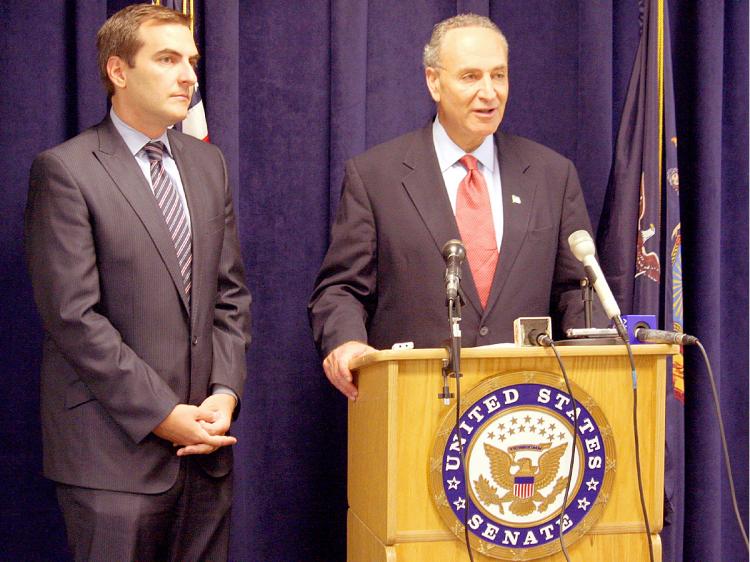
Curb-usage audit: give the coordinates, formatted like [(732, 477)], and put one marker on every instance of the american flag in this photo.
[(195, 122)]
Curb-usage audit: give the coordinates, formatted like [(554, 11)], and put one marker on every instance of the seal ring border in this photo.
[(573, 491), (490, 384)]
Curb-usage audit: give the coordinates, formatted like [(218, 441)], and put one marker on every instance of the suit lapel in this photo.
[(114, 156), (518, 195), (424, 184)]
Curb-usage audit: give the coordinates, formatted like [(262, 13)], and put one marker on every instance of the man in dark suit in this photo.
[(136, 269), (513, 203)]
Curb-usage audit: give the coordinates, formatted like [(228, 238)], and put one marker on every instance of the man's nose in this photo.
[(486, 87), (187, 74)]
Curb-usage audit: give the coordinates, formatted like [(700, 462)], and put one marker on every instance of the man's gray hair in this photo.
[(431, 55)]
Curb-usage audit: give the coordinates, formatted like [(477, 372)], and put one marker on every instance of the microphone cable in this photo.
[(724, 447), (456, 356), (679, 338), (572, 453), (545, 340), (637, 441)]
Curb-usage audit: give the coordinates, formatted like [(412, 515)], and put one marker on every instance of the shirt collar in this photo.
[(135, 139), (448, 152)]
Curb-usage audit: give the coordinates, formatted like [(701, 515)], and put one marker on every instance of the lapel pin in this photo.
[(516, 199)]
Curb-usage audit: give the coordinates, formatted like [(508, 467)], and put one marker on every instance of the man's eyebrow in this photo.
[(467, 69), (194, 59), (167, 52), (477, 69)]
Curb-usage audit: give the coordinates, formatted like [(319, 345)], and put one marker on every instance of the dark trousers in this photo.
[(188, 522)]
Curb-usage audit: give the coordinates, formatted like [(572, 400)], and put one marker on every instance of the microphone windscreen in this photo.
[(454, 248), (581, 244)]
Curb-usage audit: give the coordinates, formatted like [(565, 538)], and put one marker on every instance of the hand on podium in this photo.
[(336, 366)]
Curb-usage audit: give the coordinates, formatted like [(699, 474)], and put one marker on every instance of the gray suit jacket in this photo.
[(121, 348), (382, 279)]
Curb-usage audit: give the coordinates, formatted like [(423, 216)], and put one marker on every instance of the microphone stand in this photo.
[(453, 368), (587, 297), (587, 294), (452, 365)]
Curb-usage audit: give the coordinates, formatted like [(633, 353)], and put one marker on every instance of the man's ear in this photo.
[(116, 71), (432, 77)]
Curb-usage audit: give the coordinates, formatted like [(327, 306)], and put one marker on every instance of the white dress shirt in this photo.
[(135, 140), (449, 154)]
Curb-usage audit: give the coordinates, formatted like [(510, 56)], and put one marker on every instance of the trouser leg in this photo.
[(201, 530), (106, 525)]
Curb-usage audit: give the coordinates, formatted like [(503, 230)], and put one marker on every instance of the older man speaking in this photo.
[(512, 202)]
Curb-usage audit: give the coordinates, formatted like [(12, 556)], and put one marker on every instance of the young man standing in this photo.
[(137, 274)]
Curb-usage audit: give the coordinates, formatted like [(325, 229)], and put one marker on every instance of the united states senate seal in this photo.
[(517, 433)]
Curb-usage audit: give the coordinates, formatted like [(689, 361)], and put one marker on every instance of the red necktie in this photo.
[(474, 218)]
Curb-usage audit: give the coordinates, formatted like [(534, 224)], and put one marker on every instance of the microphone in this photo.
[(583, 249), (662, 336), (454, 255)]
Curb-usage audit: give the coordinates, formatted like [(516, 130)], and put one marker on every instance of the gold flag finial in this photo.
[(185, 8)]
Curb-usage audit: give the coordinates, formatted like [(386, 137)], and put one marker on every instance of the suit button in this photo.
[(484, 330), (195, 340)]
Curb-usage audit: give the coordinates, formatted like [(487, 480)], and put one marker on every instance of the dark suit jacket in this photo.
[(121, 348), (382, 279)]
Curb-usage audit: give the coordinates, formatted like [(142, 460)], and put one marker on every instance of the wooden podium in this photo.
[(392, 426)]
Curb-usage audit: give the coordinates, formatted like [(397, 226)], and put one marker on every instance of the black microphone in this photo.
[(662, 336), (539, 338), (454, 255)]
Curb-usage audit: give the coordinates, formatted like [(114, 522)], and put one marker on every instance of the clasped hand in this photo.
[(199, 430)]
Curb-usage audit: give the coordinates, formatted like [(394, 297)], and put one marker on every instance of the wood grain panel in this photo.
[(393, 423)]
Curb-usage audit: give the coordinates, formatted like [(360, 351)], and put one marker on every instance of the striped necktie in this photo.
[(474, 218), (173, 211)]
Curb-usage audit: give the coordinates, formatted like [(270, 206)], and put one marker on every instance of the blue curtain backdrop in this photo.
[(292, 89)]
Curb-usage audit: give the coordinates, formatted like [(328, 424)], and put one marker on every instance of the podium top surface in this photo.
[(510, 350)]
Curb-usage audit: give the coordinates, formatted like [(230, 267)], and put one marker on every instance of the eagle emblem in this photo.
[(521, 487), (646, 263)]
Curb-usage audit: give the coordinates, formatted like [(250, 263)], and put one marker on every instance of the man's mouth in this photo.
[(486, 112)]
